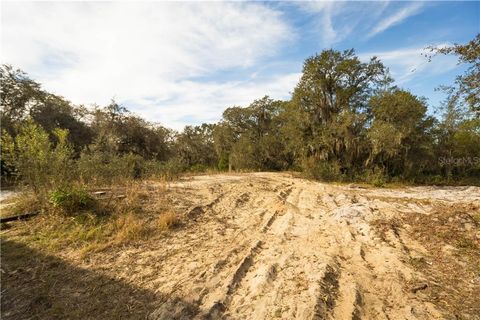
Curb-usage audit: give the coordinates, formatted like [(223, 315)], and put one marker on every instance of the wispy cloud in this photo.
[(325, 10), (396, 18), (90, 52), (336, 21), (409, 64)]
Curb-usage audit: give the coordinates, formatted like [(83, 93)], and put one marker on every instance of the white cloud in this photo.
[(408, 64), (90, 52), (210, 99), (396, 18), (335, 21), (326, 11)]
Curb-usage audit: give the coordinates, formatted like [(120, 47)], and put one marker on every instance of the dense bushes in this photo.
[(37, 161), (102, 168), (60, 182), (321, 170)]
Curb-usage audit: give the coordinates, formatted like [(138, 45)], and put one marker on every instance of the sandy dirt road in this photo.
[(267, 246), (270, 246)]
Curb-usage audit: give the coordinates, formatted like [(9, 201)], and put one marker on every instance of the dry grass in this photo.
[(453, 255), (24, 202), (167, 220), (123, 215), (123, 229), (128, 227)]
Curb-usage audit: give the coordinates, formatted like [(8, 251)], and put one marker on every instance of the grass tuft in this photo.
[(129, 227), (71, 201), (167, 220)]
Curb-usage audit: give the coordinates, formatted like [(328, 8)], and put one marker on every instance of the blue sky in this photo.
[(182, 63)]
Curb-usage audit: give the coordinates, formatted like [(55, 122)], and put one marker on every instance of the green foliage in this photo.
[(17, 90), (466, 89), (385, 138), (244, 155), (223, 162), (38, 162), (23, 99), (332, 103), (467, 138), (98, 167), (344, 122), (466, 151), (377, 177), (120, 132), (199, 167), (195, 145), (173, 168), (167, 170), (252, 136), (399, 139), (71, 200), (321, 170)]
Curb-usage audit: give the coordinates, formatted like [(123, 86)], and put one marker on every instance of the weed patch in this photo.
[(72, 200), (167, 221)]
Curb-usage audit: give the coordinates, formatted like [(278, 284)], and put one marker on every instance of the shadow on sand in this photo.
[(39, 286)]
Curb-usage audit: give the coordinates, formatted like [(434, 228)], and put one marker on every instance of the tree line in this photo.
[(345, 121)]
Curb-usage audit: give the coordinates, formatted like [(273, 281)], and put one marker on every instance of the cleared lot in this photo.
[(266, 246)]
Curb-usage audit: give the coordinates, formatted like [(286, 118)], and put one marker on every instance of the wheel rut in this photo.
[(284, 248)]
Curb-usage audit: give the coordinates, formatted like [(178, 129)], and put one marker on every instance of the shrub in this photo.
[(199, 167), (432, 179), (37, 161), (103, 168), (223, 162), (168, 170), (244, 155), (173, 168), (321, 170), (377, 177), (99, 167), (72, 200)]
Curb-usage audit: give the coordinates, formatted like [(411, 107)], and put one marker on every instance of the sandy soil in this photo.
[(268, 246)]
